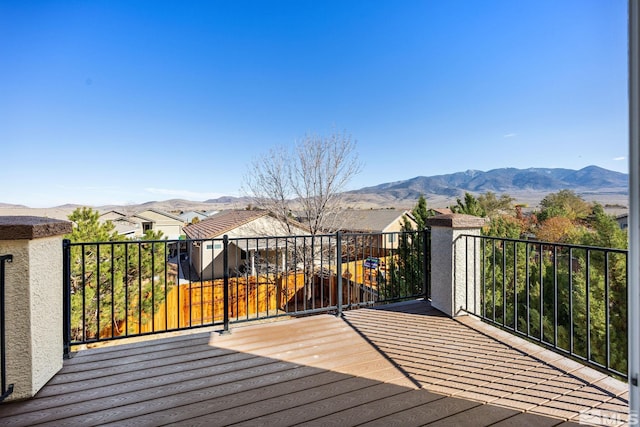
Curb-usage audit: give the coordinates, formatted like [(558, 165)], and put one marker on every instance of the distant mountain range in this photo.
[(524, 185), (589, 180)]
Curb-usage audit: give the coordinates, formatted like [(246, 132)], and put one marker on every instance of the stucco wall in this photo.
[(33, 289), (441, 270), (45, 273), (170, 228), (466, 289), (454, 287), (170, 231), (34, 301), (17, 314)]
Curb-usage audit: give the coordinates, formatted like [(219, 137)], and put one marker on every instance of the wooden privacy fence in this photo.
[(202, 303)]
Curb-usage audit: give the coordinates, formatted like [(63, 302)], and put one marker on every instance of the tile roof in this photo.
[(221, 223)]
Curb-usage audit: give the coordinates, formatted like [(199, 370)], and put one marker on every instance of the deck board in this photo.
[(403, 364)]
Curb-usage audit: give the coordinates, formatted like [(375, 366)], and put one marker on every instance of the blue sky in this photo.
[(129, 101)]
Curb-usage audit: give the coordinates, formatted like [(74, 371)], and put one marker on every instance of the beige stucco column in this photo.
[(453, 272), (33, 301)]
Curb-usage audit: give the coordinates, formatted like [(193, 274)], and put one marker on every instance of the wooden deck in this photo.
[(402, 364)]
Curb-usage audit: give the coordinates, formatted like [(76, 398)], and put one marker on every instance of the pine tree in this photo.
[(407, 269), (112, 279), (469, 206)]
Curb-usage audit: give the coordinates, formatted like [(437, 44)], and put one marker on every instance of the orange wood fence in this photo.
[(201, 303)]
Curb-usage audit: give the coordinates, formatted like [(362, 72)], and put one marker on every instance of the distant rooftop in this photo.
[(220, 223), (370, 220)]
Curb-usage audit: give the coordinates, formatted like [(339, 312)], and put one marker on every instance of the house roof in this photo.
[(125, 226), (221, 223), (113, 213), (442, 211), (136, 218), (372, 220), (156, 211)]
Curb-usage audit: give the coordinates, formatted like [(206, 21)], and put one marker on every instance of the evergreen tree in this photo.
[(504, 226), (421, 213), (602, 230), (407, 267), (88, 228), (570, 297), (469, 206), (492, 205), (113, 280)]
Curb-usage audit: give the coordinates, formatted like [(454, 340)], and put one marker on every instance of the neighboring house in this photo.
[(188, 217), (206, 248), (623, 221), (155, 220), (211, 212), (134, 226), (111, 216), (127, 226), (377, 221)]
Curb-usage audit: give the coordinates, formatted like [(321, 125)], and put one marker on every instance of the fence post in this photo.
[(449, 274), (339, 271), (225, 262), (34, 301)]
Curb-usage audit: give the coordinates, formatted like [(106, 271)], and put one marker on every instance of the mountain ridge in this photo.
[(525, 185), (505, 180)]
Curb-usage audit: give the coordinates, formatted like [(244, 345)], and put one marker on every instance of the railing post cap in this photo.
[(456, 221), (31, 227)]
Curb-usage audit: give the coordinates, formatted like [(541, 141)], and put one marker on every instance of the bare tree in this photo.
[(305, 181), (302, 184)]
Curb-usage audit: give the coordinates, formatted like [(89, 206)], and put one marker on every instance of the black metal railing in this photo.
[(127, 288), (7, 389), (570, 298)]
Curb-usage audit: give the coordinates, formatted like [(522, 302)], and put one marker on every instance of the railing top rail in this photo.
[(123, 242), (220, 239), (208, 239), (543, 243), (381, 233)]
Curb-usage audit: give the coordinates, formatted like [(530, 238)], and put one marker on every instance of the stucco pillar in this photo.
[(33, 301), (453, 272)]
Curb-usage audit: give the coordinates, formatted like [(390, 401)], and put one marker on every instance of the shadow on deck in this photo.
[(402, 364)]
